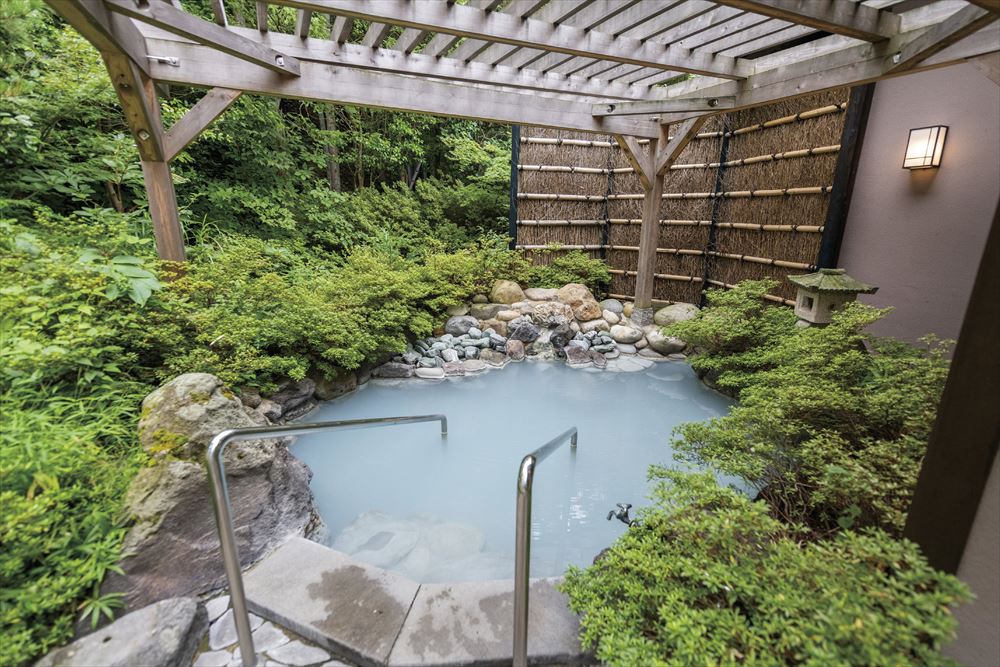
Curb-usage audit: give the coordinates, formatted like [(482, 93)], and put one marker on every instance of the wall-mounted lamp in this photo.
[(925, 146)]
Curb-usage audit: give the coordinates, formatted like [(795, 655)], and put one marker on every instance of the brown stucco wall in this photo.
[(919, 234)]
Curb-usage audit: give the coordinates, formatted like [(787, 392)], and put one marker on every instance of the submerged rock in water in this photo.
[(414, 545)]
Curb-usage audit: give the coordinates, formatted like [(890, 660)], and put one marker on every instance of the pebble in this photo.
[(625, 348), (641, 343), (297, 654)]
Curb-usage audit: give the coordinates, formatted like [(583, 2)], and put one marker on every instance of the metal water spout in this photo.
[(622, 514)]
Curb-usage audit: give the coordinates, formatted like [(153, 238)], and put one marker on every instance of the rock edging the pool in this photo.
[(541, 324)]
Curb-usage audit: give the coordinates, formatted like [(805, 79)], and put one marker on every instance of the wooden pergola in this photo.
[(585, 65)]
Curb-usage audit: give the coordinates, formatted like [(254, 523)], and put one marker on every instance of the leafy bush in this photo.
[(708, 578), (570, 267), (736, 334), (832, 422), (66, 463)]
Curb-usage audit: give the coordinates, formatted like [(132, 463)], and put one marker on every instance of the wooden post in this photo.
[(163, 210), (851, 139), (649, 239), (515, 158), (137, 94), (966, 432)]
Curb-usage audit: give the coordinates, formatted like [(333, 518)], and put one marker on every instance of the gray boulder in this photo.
[(471, 352), (664, 344), (411, 357), (328, 388), (459, 324), (625, 334), (614, 305), (449, 355), (577, 356), (173, 544), (165, 633), (523, 330), (675, 312), (294, 393), (598, 359), (452, 368), (394, 370), (560, 336), (486, 311), (181, 417), (506, 291), (541, 294), (429, 362)]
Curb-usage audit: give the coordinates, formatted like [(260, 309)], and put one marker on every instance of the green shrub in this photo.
[(736, 334), (708, 578), (570, 267), (66, 463), (832, 423)]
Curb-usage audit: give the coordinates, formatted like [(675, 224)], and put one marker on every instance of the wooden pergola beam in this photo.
[(646, 108), (474, 23), (667, 155), (418, 64), (167, 17), (850, 66), (851, 19), (204, 67), (958, 26)]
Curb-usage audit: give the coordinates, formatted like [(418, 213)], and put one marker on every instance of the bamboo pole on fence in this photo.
[(757, 159), (661, 276)]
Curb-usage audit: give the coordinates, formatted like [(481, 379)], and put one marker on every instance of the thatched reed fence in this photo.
[(749, 198)]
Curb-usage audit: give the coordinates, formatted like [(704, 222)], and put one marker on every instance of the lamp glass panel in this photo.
[(924, 147)]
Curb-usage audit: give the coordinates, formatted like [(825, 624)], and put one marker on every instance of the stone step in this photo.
[(375, 617)]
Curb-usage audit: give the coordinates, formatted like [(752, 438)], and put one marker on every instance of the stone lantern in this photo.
[(823, 292)]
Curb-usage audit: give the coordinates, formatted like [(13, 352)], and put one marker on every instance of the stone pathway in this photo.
[(275, 645)]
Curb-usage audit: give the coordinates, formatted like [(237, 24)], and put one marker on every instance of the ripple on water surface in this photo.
[(403, 498)]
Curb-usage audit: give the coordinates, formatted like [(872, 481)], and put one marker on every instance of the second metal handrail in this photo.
[(522, 540), (223, 514)]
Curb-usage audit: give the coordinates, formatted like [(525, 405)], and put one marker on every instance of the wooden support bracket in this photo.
[(198, 117)]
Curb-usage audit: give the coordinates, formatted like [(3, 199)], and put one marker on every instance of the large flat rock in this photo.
[(472, 624), (353, 609)]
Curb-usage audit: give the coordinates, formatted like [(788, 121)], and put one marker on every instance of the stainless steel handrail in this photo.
[(522, 540), (223, 515)]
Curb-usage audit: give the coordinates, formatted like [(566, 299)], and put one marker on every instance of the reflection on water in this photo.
[(436, 509)]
